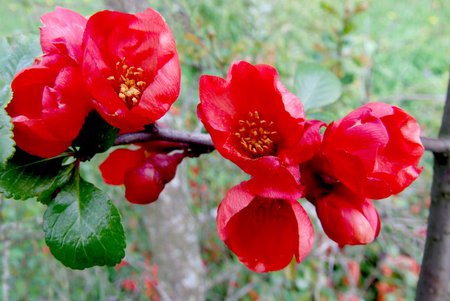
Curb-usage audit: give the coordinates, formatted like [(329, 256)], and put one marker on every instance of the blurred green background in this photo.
[(392, 51)]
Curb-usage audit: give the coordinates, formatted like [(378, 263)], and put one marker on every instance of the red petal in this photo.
[(305, 231), (118, 163), (215, 109), (281, 183), (397, 164), (63, 32), (166, 164), (308, 145), (34, 137), (265, 233)]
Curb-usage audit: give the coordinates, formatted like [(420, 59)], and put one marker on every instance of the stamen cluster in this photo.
[(256, 135), (130, 83)]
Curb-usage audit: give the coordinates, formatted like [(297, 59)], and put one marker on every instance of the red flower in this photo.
[(49, 105), (143, 173), (50, 101), (378, 146), (265, 230), (371, 153), (253, 119), (63, 33), (131, 67)]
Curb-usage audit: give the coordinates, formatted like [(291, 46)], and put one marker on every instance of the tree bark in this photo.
[(174, 242), (172, 227), (434, 278), (129, 6)]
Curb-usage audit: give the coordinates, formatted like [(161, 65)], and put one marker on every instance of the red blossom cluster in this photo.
[(126, 67), (254, 121), (144, 171)]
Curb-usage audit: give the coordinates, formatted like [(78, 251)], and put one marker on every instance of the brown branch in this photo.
[(435, 272), (202, 143), (197, 143), (436, 145)]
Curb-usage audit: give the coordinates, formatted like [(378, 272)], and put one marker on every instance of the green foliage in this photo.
[(26, 176), (316, 86), (83, 228), (96, 136), (6, 141), (16, 53)]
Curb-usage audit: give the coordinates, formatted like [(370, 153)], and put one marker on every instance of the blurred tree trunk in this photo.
[(434, 279), (174, 243), (172, 227), (130, 6)]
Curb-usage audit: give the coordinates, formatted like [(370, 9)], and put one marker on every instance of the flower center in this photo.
[(129, 83), (256, 135)]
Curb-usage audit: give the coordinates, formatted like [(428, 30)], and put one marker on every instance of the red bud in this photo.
[(143, 184)]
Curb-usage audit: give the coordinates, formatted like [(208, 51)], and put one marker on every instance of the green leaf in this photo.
[(83, 228), (6, 138), (348, 28), (96, 136), (316, 86), (25, 176), (17, 52), (329, 9)]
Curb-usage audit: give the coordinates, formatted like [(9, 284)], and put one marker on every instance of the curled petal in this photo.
[(397, 164), (62, 32)]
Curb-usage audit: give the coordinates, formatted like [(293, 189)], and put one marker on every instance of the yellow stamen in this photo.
[(256, 135), (130, 83)]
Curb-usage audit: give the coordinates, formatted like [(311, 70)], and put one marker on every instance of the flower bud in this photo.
[(143, 184)]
